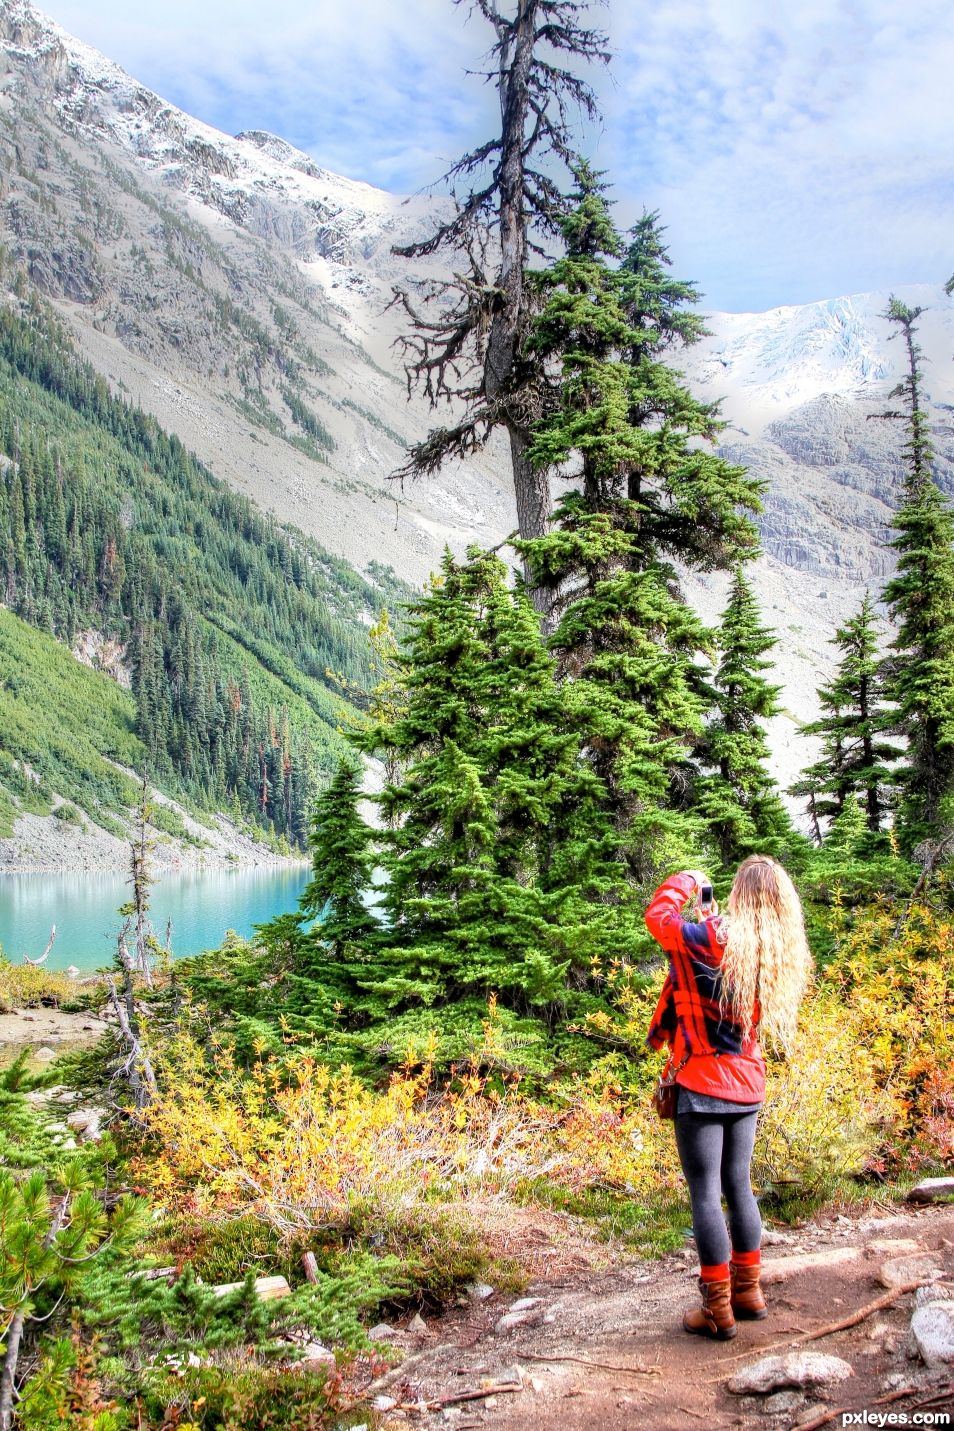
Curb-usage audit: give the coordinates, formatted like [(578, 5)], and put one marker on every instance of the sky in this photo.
[(795, 151)]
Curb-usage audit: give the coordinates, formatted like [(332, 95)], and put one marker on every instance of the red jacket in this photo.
[(689, 1017)]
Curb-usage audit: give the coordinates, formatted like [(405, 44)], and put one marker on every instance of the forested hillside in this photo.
[(235, 635)]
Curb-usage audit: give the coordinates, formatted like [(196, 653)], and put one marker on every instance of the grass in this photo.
[(649, 1226)]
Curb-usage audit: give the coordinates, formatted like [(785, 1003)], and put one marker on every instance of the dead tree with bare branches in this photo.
[(465, 345)]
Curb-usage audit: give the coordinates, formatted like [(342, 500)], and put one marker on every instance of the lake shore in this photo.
[(44, 844), (47, 1032)]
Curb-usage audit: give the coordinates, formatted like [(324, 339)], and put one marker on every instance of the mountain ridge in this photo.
[(226, 276)]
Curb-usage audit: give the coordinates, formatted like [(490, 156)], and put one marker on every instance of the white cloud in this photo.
[(796, 151), (794, 157)]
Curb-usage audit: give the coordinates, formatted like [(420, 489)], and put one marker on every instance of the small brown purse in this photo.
[(666, 1093)]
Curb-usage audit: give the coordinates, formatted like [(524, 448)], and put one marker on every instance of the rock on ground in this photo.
[(932, 1325), (801, 1368), (781, 1267), (898, 1271), (932, 1190)]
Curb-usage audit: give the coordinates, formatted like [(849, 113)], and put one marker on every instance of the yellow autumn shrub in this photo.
[(300, 1145), (896, 975), (24, 986), (826, 1110)]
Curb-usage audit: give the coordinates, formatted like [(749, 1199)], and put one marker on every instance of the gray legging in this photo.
[(715, 1150)]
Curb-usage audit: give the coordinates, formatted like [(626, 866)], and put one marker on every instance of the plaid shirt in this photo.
[(688, 1016)]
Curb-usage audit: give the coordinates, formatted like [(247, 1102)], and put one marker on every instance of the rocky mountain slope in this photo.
[(236, 290)]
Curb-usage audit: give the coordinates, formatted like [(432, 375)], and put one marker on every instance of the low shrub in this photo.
[(24, 986), (826, 1112), (68, 814)]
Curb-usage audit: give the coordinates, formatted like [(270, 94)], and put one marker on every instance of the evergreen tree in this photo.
[(342, 863), (492, 842), (855, 761), (323, 963), (486, 763), (647, 492), (739, 799), (919, 672)]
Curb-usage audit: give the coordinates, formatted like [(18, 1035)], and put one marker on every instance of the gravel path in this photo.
[(606, 1351)]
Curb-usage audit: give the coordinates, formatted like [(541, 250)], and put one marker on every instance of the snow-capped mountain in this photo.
[(237, 290), (770, 363)]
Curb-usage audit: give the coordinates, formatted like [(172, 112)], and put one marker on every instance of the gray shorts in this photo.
[(687, 1101)]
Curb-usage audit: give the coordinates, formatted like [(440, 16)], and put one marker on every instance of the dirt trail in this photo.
[(644, 1372), (47, 1032)]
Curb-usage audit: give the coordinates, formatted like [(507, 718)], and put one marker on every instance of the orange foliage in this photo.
[(300, 1145)]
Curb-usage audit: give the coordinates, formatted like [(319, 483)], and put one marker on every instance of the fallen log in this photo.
[(266, 1288)]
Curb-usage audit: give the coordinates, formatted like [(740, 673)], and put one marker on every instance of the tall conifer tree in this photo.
[(739, 799), (467, 333), (647, 493), (919, 672), (481, 897), (856, 761)]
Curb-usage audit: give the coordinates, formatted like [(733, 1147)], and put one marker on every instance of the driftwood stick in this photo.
[(602, 1365), (898, 1395), (943, 1393), (310, 1265), (46, 952), (458, 1396), (851, 1321), (881, 1401), (822, 1420)]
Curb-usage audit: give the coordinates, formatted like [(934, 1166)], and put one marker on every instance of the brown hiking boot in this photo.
[(748, 1304), (714, 1318)]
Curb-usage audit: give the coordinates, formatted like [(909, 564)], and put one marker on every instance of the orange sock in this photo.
[(747, 1259), (718, 1272)]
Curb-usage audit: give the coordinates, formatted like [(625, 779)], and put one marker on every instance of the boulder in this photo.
[(899, 1270), (895, 1246), (800, 1369), (932, 1190), (509, 1320), (315, 1355), (85, 1122), (781, 1267), (266, 1288), (932, 1324), (781, 1401)]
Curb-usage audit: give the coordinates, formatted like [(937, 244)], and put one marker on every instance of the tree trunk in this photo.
[(8, 1376), (531, 488), (534, 507), (867, 751)]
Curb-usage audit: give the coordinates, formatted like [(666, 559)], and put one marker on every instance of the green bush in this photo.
[(68, 814)]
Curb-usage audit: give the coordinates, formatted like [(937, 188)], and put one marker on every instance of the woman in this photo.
[(728, 979)]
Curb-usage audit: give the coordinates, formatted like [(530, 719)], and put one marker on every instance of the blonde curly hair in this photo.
[(765, 954)]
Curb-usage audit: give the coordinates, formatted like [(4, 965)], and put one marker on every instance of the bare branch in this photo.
[(46, 952)]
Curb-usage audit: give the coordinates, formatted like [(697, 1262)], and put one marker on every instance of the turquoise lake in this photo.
[(202, 905)]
